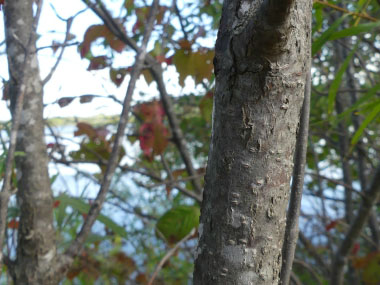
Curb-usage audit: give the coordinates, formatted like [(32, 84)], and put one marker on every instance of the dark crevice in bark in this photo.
[(36, 248), (258, 97)]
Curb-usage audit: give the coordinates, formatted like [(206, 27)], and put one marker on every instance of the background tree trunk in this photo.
[(262, 57), (36, 248)]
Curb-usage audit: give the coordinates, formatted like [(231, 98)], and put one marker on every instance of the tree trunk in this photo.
[(36, 249), (262, 56)]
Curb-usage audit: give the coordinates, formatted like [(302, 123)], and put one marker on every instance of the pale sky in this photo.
[(71, 77)]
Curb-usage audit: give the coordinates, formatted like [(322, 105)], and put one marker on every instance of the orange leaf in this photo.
[(141, 279), (85, 129), (331, 225), (13, 224), (56, 204), (185, 44), (96, 31)]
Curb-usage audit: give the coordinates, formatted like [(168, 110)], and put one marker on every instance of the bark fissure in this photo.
[(260, 67), (36, 248)]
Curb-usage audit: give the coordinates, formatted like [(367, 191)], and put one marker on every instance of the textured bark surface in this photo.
[(36, 249), (262, 56)]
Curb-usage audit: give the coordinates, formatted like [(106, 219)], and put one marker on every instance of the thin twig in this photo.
[(340, 260), (291, 230), (67, 38), (169, 254), (78, 243), (310, 269), (310, 248), (156, 71), (338, 8)]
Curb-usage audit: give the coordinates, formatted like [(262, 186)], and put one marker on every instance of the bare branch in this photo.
[(372, 196), (169, 254), (156, 71), (291, 230), (78, 243), (67, 38), (313, 252), (310, 269)]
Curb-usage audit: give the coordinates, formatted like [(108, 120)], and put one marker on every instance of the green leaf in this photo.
[(53, 178), (205, 106), (355, 30), (368, 119), (176, 223), (358, 104), (318, 10), (326, 35), (337, 80), (83, 208)]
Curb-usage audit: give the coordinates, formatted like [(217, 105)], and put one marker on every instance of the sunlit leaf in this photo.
[(337, 80), (196, 64), (355, 30), (358, 104), (375, 112), (176, 223), (326, 35), (148, 76)]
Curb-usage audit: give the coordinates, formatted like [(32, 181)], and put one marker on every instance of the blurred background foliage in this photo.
[(152, 206)]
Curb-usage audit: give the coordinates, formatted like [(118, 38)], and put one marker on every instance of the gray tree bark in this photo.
[(36, 249), (261, 61)]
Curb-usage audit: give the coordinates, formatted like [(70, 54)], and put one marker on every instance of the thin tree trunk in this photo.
[(36, 249), (262, 56), (361, 165)]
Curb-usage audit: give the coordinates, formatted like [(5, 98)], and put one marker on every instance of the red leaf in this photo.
[(13, 224), (331, 225), (136, 26), (64, 101), (355, 249), (56, 204), (50, 145), (153, 138), (151, 111), (169, 60)]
